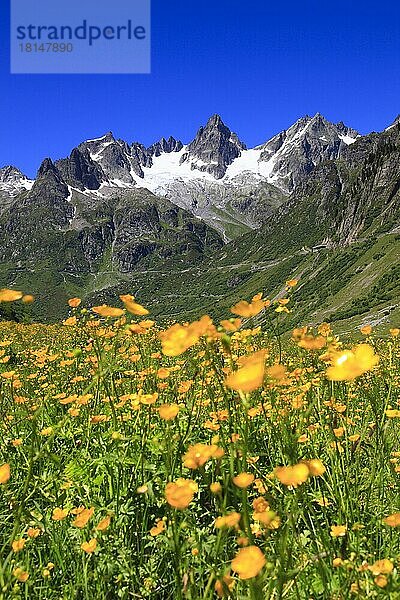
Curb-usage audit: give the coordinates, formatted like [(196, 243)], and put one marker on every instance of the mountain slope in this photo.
[(57, 239), (215, 177), (90, 227), (339, 233)]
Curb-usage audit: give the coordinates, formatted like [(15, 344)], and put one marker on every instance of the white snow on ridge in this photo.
[(247, 161), (15, 187), (167, 168), (348, 139), (27, 183), (98, 139)]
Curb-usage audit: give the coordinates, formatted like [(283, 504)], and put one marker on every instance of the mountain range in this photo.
[(193, 227)]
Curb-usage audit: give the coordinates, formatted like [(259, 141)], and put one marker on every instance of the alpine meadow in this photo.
[(200, 368)]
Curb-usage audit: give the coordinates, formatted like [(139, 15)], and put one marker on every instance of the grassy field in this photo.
[(201, 461)]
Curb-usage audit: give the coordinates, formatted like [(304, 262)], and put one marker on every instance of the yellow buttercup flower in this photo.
[(349, 364), (231, 325), (381, 581), (70, 322), (180, 493), (293, 475), (21, 575), (89, 546), (199, 454), (59, 514), (250, 375), (177, 339), (10, 295), (243, 480), (248, 562), (33, 532), (158, 528), (292, 283), (311, 342), (249, 309), (338, 530), (108, 311), (366, 329), (216, 487), (168, 412), (134, 308), (163, 373), (74, 302), (230, 520), (393, 520), (315, 467), (18, 545), (104, 524), (4, 473), (383, 566), (83, 517)]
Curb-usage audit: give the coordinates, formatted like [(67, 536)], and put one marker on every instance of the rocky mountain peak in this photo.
[(12, 183), (49, 186), (10, 174), (293, 154), (215, 121), (80, 170), (395, 122), (214, 148), (165, 146), (46, 169)]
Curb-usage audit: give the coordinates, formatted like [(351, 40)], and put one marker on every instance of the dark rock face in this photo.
[(310, 141), (117, 159), (140, 157), (165, 146), (115, 162), (10, 174), (80, 171), (341, 200), (214, 148)]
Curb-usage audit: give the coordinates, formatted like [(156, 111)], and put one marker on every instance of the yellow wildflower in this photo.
[(250, 375), (89, 546), (199, 454), (21, 575), (180, 493), (4, 473), (10, 295), (349, 364), (338, 530), (108, 311), (243, 480), (168, 412), (293, 475), (248, 562)]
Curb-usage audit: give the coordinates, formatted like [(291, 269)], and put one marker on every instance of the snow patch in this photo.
[(347, 139), (167, 168), (97, 139)]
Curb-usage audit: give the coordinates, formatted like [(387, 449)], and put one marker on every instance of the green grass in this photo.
[(106, 447)]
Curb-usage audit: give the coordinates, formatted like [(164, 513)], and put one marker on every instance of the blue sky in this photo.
[(260, 66)]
